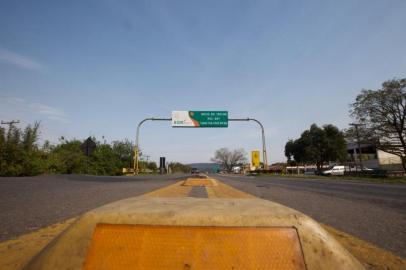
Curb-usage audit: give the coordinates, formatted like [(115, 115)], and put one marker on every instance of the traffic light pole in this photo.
[(137, 149), (264, 155)]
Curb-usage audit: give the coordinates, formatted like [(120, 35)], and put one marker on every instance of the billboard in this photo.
[(255, 158), (200, 119)]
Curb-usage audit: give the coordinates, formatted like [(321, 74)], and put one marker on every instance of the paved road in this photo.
[(29, 203), (373, 212)]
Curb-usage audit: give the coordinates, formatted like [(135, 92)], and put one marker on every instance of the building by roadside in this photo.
[(372, 157)]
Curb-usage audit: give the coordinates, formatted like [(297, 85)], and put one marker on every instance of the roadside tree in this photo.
[(125, 151), (228, 159), (19, 152), (317, 145), (179, 167), (68, 158), (382, 113)]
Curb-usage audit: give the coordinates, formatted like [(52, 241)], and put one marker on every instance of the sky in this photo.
[(97, 68)]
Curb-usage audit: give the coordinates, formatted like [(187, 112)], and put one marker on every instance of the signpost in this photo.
[(87, 148), (201, 119), (255, 159), (162, 165), (207, 119)]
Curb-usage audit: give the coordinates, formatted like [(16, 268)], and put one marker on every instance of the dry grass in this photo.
[(372, 257), (16, 253)]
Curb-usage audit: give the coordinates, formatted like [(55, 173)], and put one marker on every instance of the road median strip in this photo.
[(15, 253)]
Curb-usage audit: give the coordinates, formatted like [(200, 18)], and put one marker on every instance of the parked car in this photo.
[(195, 171), (334, 170), (357, 169)]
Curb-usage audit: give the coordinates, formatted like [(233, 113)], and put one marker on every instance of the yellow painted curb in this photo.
[(227, 192), (175, 190), (16, 253)]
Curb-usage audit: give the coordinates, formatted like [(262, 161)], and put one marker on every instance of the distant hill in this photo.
[(205, 167)]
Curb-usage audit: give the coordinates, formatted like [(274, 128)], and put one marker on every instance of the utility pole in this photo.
[(358, 143), (136, 148), (264, 155), (10, 123)]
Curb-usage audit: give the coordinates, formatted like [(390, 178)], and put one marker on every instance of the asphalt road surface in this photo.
[(29, 203), (372, 212)]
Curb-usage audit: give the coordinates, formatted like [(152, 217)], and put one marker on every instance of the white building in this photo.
[(373, 158)]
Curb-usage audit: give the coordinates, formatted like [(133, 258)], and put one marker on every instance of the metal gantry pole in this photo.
[(137, 149), (137, 138), (264, 155)]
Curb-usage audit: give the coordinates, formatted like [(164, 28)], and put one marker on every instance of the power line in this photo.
[(10, 123)]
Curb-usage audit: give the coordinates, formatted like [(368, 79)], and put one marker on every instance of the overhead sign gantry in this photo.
[(201, 119), (198, 119)]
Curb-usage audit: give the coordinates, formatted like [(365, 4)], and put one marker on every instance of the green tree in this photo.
[(336, 148), (317, 145), (19, 153), (177, 167), (104, 161), (125, 152), (67, 158), (290, 151), (383, 115), (152, 166), (2, 149), (30, 137), (12, 155), (33, 160)]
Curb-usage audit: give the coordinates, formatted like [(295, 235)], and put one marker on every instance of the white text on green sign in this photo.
[(199, 119)]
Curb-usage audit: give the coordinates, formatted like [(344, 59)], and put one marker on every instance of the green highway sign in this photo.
[(209, 119)]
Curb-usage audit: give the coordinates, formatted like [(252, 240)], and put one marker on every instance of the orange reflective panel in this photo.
[(187, 247), (199, 182)]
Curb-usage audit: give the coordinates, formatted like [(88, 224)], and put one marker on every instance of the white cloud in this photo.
[(20, 61), (49, 112), (18, 108)]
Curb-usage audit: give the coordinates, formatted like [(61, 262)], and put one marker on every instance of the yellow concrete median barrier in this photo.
[(73, 248)]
